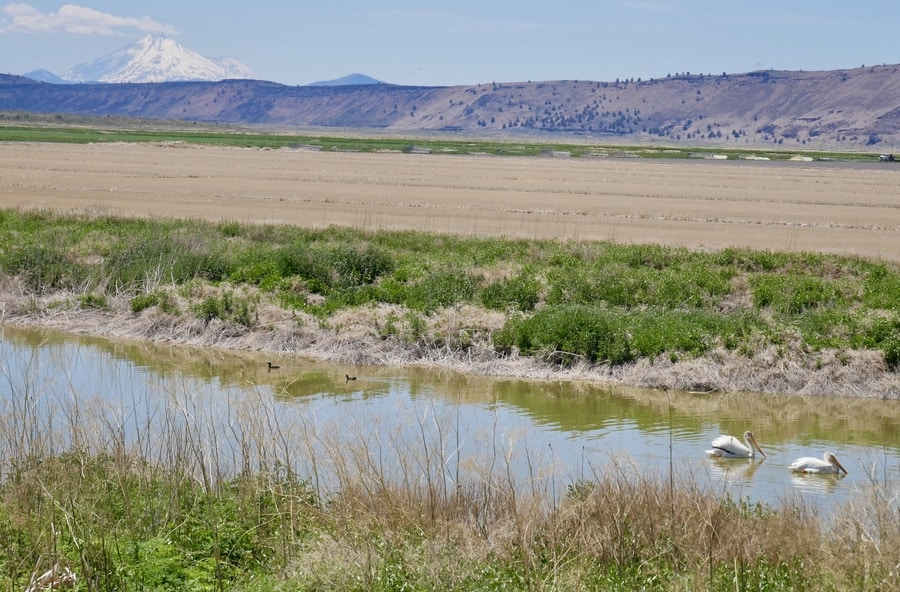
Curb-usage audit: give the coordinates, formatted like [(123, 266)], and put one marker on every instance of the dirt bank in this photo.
[(353, 338)]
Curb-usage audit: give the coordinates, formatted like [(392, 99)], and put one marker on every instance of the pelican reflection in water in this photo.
[(828, 465), (730, 447), (733, 471)]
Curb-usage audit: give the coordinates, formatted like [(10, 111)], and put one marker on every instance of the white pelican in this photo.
[(808, 464), (731, 447)]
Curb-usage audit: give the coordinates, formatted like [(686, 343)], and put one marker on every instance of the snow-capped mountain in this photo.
[(157, 58)]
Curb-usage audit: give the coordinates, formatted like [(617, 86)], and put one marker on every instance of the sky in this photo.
[(463, 42)]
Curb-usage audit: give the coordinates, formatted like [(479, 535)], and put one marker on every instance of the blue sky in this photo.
[(464, 41)]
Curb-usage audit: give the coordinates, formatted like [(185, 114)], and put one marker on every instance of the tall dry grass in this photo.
[(176, 489)]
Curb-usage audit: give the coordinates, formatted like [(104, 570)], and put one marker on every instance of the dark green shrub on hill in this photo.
[(335, 265), (792, 294), (691, 285), (569, 332), (439, 289), (882, 288), (151, 258), (639, 256), (226, 307), (884, 335), (521, 293), (750, 260), (891, 349), (566, 333), (44, 265)]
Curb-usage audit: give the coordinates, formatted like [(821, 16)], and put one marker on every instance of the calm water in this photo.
[(543, 435)]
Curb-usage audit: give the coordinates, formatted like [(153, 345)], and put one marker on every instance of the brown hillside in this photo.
[(837, 109)]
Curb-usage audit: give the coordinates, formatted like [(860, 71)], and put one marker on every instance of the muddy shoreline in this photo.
[(356, 342)]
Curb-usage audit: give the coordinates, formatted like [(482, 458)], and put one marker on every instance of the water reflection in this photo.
[(816, 483), (734, 470), (559, 432)]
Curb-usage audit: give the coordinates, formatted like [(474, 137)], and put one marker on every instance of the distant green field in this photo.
[(28, 128)]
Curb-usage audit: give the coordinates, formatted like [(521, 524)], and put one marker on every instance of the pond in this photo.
[(412, 426)]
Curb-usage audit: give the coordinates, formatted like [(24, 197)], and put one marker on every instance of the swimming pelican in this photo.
[(808, 464), (731, 447)]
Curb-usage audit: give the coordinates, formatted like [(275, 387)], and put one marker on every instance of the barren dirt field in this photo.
[(708, 204)]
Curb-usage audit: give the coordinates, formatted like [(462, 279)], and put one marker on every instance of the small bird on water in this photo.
[(273, 366), (349, 378)]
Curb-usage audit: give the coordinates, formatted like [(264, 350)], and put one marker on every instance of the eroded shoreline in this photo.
[(843, 374)]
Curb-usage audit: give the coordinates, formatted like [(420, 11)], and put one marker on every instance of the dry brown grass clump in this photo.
[(621, 525)]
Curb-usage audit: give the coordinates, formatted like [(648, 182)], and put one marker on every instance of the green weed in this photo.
[(227, 307), (519, 293)]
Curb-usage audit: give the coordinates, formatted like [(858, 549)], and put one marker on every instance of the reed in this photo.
[(177, 489)]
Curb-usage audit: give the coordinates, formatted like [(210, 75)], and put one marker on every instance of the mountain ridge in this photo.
[(851, 108), (348, 80), (159, 58)]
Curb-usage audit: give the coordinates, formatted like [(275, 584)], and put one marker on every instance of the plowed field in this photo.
[(848, 208)]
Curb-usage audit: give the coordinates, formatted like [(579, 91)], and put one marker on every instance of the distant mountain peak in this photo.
[(45, 76), (349, 80), (157, 58)]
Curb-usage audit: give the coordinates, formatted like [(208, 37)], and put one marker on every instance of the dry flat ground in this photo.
[(709, 204)]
